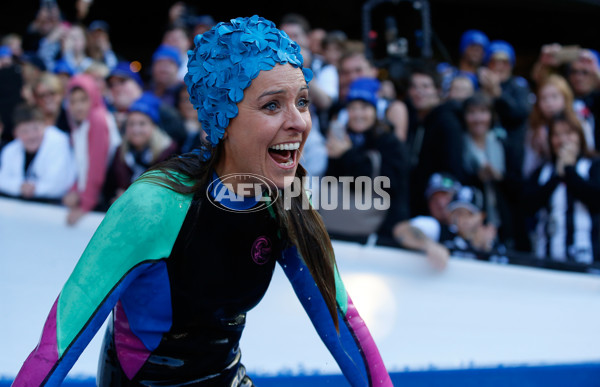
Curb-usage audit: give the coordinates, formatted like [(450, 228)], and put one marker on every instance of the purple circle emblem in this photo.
[(261, 250)]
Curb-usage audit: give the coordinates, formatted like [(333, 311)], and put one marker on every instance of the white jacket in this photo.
[(52, 170)]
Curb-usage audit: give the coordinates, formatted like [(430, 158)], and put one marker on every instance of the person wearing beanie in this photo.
[(165, 81), (144, 145), (473, 46), (126, 86), (511, 98), (366, 147)]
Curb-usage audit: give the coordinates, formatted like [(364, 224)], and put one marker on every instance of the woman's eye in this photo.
[(303, 103), (271, 106)]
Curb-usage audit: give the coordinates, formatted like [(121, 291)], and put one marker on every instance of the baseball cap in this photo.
[(441, 182), (467, 197)]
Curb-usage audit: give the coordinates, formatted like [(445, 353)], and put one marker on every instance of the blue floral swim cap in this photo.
[(224, 62)]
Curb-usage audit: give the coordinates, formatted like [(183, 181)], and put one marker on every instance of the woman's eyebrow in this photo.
[(273, 92)]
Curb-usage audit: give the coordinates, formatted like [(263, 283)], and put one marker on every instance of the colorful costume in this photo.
[(165, 262), (179, 297)]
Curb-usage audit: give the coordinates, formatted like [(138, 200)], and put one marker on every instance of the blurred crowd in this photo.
[(479, 161)]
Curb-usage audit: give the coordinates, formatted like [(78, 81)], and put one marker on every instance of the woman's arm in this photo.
[(138, 231), (586, 191), (352, 347), (536, 194)]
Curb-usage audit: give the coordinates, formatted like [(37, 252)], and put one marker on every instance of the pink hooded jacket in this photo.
[(98, 142)]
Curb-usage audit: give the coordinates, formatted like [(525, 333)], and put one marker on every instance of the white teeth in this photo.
[(288, 164), (292, 146)]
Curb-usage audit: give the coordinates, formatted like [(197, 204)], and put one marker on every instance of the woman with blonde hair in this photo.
[(144, 145), (48, 95), (554, 96)]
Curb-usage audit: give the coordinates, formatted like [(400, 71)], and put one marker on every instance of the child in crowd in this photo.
[(95, 137), (38, 164)]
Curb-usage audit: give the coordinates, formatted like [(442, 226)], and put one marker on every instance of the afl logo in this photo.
[(261, 250), (242, 192)]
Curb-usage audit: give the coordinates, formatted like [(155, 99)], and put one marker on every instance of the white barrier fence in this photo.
[(473, 314)]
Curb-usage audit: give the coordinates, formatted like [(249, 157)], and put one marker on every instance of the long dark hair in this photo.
[(304, 227), (576, 127)]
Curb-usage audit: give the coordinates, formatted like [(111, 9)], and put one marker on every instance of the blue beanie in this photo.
[(62, 67), (500, 46), (473, 37), (5, 52), (364, 89), (167, 52), (123, 70), (149, 105)]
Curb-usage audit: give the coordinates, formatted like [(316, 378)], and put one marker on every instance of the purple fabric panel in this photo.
[(377, 371), (43, 358), (131, 351)]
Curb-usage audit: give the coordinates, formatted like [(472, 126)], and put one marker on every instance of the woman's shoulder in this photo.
[(156, 191)]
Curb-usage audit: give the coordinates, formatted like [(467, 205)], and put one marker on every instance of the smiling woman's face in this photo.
[(267, 136)]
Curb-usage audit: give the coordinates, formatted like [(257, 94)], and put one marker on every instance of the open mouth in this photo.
[(284, 154)]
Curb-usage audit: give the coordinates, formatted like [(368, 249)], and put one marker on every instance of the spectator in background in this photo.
[(193, 127), (511, 95), (472, 49), (165, 82), (126, 87), (178, 36), (99, 71), (32, 68), (366, 147), (315, 41), (39, 163), (144, 145), (512, 104), (11, 86), (95, 137), (564, 192), (48, 95), (461, 88), (472, 238), (441, 188), (202, 23), (47, 22), (14, 42), (99, 47), (473, 46), (64, 72), (426, 232), (483, 159), (323, 93), (74, 49), (554, 97), (354, 65), (435, 134), (6, 56)]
